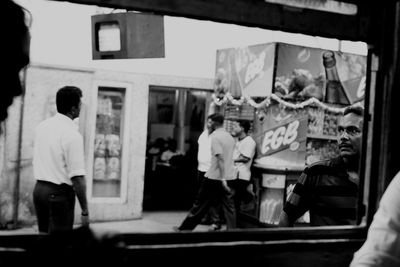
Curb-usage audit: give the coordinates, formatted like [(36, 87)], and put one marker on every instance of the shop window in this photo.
[(108, 152)]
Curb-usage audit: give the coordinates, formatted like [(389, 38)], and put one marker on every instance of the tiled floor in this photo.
[(151, 222)]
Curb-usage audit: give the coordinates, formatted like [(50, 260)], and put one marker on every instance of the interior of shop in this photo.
[(176, 118)]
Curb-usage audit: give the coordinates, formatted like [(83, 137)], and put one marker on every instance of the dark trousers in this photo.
[(213, 216), (241, 194), (211, 192), (54, 205)]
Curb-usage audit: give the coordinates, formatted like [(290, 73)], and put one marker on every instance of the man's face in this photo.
[(76, 110), (350, 135), (236, 129), (210, 125)]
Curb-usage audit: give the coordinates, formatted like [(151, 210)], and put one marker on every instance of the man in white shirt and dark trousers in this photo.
[(243, 154), (214, 188), (59, 166), (204, 163), (203, 155)]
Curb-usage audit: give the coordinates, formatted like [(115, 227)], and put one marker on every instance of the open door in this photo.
[(176, 119)]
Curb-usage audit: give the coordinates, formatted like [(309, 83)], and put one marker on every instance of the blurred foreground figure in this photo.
[(79, 247), (15, 47), (382, 247)]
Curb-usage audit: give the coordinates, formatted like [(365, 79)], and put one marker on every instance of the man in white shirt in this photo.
[(243, 154), (215, 188), (203, 154), (204, 163), (382, 247), (59, 166)]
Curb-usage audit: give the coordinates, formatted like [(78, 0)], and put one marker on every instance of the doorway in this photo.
[(176, 119)]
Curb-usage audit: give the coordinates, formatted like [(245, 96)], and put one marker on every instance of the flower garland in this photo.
[(267, 102)]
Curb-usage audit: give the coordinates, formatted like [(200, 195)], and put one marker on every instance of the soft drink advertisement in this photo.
[(332, 77), (281, 137), (245, 70)]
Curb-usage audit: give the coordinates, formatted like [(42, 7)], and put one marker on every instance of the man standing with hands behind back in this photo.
[(245, 149), (59, 166)]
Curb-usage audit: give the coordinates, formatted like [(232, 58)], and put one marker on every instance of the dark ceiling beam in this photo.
[(253, 13)]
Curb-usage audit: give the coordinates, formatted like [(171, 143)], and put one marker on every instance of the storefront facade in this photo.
[(113, 122), (294, 97)]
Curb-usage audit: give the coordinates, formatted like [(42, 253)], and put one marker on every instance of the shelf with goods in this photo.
[(271, 187), (318, 141), (290, 135), (295, 123), (108, 143), (321, 135)]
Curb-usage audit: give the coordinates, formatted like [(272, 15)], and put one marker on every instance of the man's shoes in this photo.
[(215, 227), (206, 220), (176, 229)]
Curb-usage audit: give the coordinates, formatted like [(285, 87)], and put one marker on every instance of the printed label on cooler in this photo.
[(273, 180), (281, 137)]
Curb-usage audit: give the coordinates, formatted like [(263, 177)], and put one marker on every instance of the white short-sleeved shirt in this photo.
[(222, 144), (204, 153), (58, 150), (246, 147), (382, 247)]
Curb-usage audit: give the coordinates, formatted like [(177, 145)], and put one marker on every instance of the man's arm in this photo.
[(298, 202), (220, 161), (247, 151), (221, 165), (242, 159), (285, 221), (79, 184), (381, 247)]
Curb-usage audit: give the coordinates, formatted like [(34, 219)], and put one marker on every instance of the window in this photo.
[(115, 93), (107, 180), (385, 141)]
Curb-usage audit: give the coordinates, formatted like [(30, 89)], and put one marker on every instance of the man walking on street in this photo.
[(214, 188), (58, 166), (212, 217)]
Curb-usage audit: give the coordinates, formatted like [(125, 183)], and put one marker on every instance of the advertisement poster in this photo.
[(281, 137), (245, 70), (330, 76)]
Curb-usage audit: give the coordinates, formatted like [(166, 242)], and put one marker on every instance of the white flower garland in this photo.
[(267, 101)]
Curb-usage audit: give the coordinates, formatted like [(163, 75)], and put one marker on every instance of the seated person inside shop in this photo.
[(169, 155), (329, 189), (154, 151)]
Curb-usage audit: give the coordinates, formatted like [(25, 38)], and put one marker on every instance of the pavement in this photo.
[(151, 222)]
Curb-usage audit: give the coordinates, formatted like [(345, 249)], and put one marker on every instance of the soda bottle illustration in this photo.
[(334, 90), (235, 88)]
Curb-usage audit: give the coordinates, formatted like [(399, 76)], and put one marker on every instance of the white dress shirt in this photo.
[(204, 152), (58, 150), (222, 146), (247, 148), (382, 247)]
